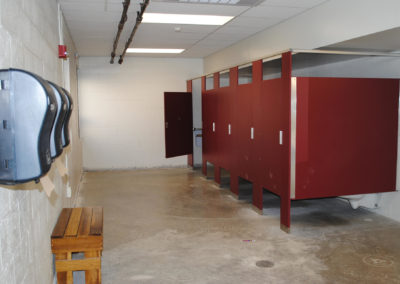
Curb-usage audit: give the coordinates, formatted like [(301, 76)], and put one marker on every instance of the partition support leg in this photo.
[(217, 174), (204, 167), (258, 196), (285, 214), (234, 184)]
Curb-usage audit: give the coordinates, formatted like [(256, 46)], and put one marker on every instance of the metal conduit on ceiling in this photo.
[(124, 17)]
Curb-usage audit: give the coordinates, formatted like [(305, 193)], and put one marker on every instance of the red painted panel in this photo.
[(216, 107), (246, 96), (269, 121), (178, 124), (346, 136), (226, 97), (232, 101)]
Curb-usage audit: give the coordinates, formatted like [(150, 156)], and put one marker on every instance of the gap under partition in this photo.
[(225, 181), (210, 171), (245, 190)]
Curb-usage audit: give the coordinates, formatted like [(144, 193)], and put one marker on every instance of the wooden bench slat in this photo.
[(86, 220), (73, 224), (96, 227), (78, 244), (79, 264), (62, 222)]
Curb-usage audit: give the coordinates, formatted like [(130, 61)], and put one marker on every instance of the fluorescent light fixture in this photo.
[(160, 18), (154, 50), (227, 2)]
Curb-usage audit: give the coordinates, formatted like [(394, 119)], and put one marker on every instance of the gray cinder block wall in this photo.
[(29, 36)]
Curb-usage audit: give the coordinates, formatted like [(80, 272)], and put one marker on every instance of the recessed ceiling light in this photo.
[(161, 18), (154, 50)]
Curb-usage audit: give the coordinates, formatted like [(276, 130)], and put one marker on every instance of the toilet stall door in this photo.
[(178, 124)]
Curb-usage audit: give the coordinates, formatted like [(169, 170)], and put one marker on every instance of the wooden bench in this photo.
[(78, 230)]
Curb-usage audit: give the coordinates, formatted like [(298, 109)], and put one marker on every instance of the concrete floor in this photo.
[(175, 226)]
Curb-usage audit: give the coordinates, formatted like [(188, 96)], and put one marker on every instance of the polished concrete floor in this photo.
[(175, 226)]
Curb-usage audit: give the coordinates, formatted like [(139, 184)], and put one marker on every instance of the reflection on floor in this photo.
[(175, 226)]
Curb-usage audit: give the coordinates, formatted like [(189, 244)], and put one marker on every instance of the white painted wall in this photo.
[(122, 110), (332, 22), (28, 40)]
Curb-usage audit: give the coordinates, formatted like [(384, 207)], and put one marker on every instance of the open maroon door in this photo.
[(178, 124)]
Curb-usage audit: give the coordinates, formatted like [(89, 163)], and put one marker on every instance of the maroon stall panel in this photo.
[(178, 124), (246, 102), (226, 100), (269, 123), (346, 136), (243, 121), (217, 145)]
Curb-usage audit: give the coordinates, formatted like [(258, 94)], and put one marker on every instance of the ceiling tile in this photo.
[(87, 17), (214, 43), (235, 37), (292, 3), (90, 26), (83, 6), (260, 23), (273, 12), (199, 51)]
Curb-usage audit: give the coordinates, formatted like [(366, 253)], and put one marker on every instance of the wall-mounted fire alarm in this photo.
[(62, 51)]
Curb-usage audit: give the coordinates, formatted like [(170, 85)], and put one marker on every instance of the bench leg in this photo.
[(93, 276), (61, 276), (64, 277)]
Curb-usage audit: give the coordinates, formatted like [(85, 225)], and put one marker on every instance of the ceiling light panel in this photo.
[(215, 2), (154, 50), (161, 18), (225, 2), (195, 9)]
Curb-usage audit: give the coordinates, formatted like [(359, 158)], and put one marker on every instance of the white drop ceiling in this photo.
[(93, 24)]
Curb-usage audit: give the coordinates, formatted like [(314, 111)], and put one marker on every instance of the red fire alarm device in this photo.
[(62, 51)]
